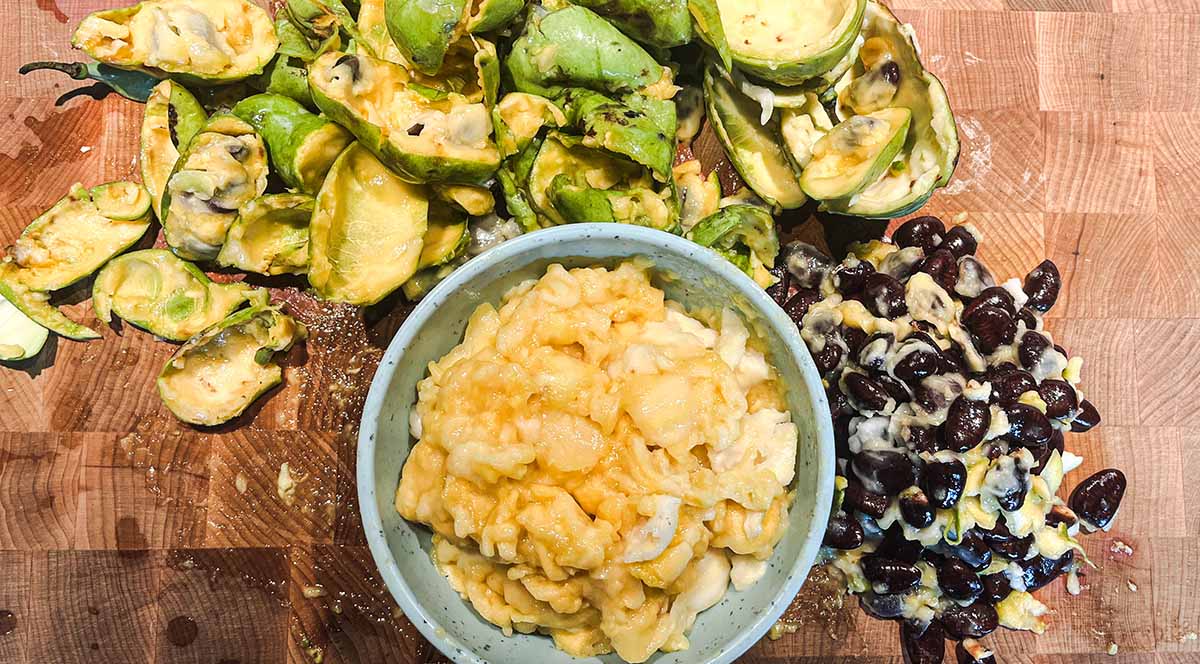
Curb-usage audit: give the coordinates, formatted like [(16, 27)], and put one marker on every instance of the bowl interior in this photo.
[(688, 274)]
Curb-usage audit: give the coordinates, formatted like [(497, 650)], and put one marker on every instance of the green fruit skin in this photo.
[(424, 29), (706, 17), (285, 76), (608, 124), (579, 205), (42, 312), (415, 168), (796, 73), (288, 128), (749, 225), (881, 163), (190, 118), (659, 23), (493, 15), (581, 40)]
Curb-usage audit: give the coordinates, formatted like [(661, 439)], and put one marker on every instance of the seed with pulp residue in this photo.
[(844, 533), (884, 296), (926, 646), (1042, 286), (977, 620), (1097, 499), (943, 267), (990, 327), (943, 482), (1059, 397), (888, 576), (1086, 418), (967, 423), (960, 242), (850, 279), (925, 232), (871, 504), (958, 581), (865, 392)]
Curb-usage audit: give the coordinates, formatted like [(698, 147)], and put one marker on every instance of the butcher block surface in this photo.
[(126, 537)]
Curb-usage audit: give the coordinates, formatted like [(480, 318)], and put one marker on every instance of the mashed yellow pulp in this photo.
[(597, 465)]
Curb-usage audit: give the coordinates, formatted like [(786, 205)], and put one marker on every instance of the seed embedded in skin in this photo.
[(925, 232), (927, 646), (990, 327), (966, 424), (891, 72), (1097, 499), (843, 533), (889, 576), (1042, 286), (1059, 397), (943, 482), (865, 392), (883, 295), (958, 581), (943, 267), (974, 621), (850, 279), (960, 242), (1086, 418)]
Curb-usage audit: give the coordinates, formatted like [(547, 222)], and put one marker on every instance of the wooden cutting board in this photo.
[(127, 538)]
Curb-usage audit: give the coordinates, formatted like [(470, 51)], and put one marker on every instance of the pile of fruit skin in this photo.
[(949, 401)]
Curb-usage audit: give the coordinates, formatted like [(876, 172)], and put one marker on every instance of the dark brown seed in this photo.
[(995, 587), (1027, 425), (943, 267), (844, 533), (839, 405), (951, 360), (970, 651), (917, 365), (894, 388), (901, 264), (858, 498), (915, 509), (992, 297), (841, 436), (883, 607), (1026, 315), (351, 62), (783, 284), (1012, 481), (884, 471), (990, 327), (1097, 499), (924, 232), (1059, 396), (865, 393), (889, 576), (960, 242), (1086, 418), (1042, 286), (883, 295), (1037, 571), (1004, 544), (800, 303), (943, 482), (921, 439), (854, 338), (974, 621), (898, 547), (972, 550), (1008, 386), (958, 581), (1031, 349), (828, 358), (966, 424), (873, 353), (890, 72), (850, 279), (1043, 453), (927, 646), (807, 264)]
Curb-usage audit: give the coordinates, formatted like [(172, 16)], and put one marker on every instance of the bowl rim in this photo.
[(372, 520)]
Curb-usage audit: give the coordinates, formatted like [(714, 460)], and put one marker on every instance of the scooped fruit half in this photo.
[(753, 146), (206, 43), (889, 74), (790, 42), (218, 373), (657, 23), (301, 144), (36, 305), (165, 295), (423, 135), (743, 234), (367, 231), (20, 336), (223, 168), (855, 153), (270, 235), (171, 119), (79, 234), (519, 117), (578, 169)]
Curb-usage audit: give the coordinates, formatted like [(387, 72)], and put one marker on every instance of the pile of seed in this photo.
[(932, 369)]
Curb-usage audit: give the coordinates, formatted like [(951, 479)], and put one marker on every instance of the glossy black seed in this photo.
[(850, 279), (917, 365), (972, 550), (1043, 453), (1013, 483), (1042, 286), (943, 267), (1086, 418), (883, 607), (828, 358), (1037, 571), (922, 333), (950, 361), (1026, 315), (921, 439), (960, 242), (841, 437), (865, 392), (943, 482), (1027, 426), (783, 284), (894, 388), (1006, 545), (416, 129), (992, 297), (1059, 396), (915, 509), (963, 653), (958, 581), (1031, 349), (807, 264), (1097, 499), (901, 264), (843, 533), (1008, 386), (990, 327), (897, 547), (352, 63), (966, 424), (890, 72), (973, 277), (1059, 515), (839, 404), (884, 471), (923, 646), (858, 498), (854, 338), (873, 353), (883, 295), (800, 303), (995, 587), (924, 232), (974, 621), (889, 576)]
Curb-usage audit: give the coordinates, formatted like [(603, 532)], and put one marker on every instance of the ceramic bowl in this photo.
[(689, 274)]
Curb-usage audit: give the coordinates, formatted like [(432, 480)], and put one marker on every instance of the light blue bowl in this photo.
[(691, 275)]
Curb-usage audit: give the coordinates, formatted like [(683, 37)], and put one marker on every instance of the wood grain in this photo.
[(126, 537)]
